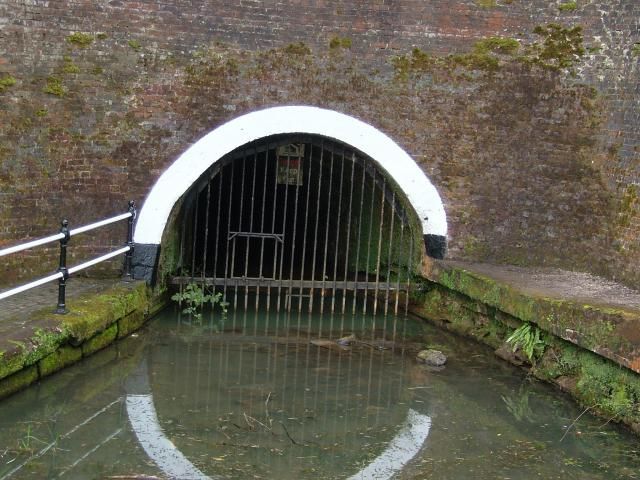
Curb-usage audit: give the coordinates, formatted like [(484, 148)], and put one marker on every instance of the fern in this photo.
[(528, 339)]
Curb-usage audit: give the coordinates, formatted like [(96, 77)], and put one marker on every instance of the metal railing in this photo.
[(63, 273)]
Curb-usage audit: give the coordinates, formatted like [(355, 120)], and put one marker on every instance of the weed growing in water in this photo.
[(193, 297)]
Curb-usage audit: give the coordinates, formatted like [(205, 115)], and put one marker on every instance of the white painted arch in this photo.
[(186, 170)]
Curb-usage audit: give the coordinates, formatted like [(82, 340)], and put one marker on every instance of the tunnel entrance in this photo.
[(299, 219)]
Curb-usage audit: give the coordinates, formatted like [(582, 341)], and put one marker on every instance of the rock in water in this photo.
[(434, 358), (348, 340)]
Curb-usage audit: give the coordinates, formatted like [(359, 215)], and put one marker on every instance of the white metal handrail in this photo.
[(99, 224), (32, 244), (28, 286), (63, 272), (59, 275), (60, 236), (90, 263)]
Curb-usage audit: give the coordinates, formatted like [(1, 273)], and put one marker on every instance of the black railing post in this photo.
[(127, 275), (62, 268)]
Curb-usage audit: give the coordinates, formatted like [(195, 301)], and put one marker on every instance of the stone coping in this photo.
[(588, 311)]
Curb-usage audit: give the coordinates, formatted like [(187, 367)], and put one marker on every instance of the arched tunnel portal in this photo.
[(295, 215)]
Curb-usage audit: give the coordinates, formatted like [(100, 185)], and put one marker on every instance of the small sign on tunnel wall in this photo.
[(290, 159)]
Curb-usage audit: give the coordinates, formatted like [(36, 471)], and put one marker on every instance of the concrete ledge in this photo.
[(611, 330), (583, 343), (51, 342)]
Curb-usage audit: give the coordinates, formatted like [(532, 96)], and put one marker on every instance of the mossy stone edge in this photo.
[(478, 307), (94, 321)]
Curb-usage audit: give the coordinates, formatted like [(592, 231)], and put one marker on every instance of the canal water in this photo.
[(272, 395)]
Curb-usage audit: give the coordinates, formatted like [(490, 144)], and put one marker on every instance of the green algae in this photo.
[(504, 45), (69, 67), (54, 87), (131, 323), (561, 47), (96, 313), (135, 45), (568, 6), (79, 39), (486, 3), (340, 42), (100, 341), (62, 357), (18, 381), (297, 48), (7, 81)]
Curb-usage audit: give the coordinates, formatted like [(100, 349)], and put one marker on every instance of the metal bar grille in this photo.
[(299, 220)]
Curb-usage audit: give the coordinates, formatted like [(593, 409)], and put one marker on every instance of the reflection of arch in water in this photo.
[(144, 422), (408, 441)]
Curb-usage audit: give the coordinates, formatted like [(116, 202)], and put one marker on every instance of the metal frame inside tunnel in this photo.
[(297, 217)]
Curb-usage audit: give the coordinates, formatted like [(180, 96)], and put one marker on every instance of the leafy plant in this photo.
[(194, 297), (528, 339)]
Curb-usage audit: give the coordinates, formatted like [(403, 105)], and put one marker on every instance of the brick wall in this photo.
[(537, 165)]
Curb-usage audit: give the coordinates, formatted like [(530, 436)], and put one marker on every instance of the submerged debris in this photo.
[(433, 358)]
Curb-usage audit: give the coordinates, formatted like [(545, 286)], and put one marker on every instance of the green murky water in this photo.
[(252, 397)]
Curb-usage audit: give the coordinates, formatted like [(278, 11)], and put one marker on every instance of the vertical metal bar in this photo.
[(380, 232), (206, 237), (187, 212), (389, 251), (357, 269), (215, 253), (371, 207), (326, 234), (183, 233), (264, 192), (246, 257), (315, 233), (277, 246), (284, 228), (304, 234), (235, 239), (295, 234), (401, 243), (346, 255), (61, 308), (194, 236), (409, 270), (226, 256), (128, 275), (337, 246)]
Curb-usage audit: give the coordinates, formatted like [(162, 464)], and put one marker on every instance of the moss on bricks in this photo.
[(18, 381), (597, 383), (59, 359), (26, 353), (80, 39), (95, 313), (101, 340), (11, 363), (6, 81), (130, 323)]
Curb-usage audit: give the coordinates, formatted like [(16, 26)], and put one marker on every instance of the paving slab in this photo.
[(577, 287)]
